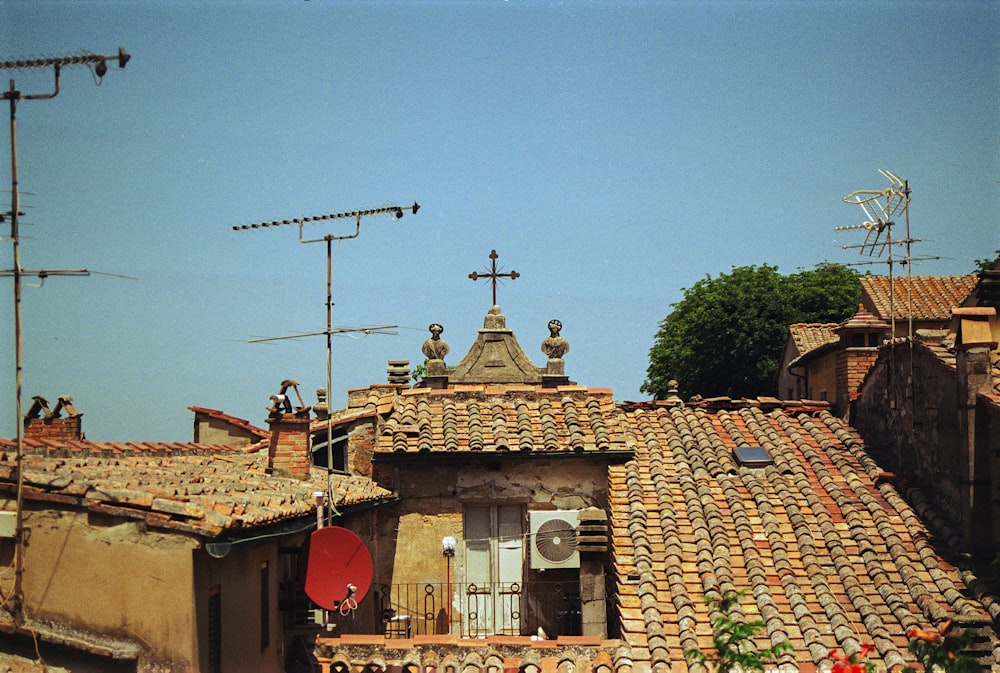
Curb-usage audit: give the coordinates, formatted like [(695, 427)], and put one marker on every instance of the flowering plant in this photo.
[(941, 650), (853, 663)]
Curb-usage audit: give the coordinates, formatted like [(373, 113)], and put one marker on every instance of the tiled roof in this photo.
[(931, 297), (205, 490), (499, 418), (808, 336), (829, 553), (232, 420), (579, 654)]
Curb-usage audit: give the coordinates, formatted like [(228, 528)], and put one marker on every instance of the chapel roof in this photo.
[(201, 489), (926, 297), (830, 554)]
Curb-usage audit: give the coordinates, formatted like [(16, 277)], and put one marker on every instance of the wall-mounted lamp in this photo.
[(448, 544)]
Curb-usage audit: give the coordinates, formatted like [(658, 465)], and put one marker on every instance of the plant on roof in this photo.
[(726, 335), (941, 650), (419, 372), (853, 663), (732, 640)]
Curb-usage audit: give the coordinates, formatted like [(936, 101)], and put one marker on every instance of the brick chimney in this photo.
[(42, 423), (289, 453)]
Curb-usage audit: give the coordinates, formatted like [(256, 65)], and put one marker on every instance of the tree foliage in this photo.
[(726, 335)]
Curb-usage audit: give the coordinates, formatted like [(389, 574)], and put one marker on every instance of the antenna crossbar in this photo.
[(330, 330), (377, 329)]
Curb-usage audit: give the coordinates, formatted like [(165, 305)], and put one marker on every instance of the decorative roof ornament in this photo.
[(435, 348), (494, 274)]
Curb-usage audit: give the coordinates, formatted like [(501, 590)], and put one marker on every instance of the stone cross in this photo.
[(493, 274)]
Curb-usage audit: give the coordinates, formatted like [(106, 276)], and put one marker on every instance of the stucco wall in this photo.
[(409, 533), (822, 379), (100, 576), (238, 579)]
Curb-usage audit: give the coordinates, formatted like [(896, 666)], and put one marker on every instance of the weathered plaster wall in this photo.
[(238, 576), (209, 430), (433, 498), (101, 576), (822, 379)]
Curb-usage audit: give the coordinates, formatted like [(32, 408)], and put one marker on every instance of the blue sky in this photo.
[(613, 153)]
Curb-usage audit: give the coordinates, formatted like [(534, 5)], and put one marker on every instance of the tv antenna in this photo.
[(881, 207), (98, 65), (330, 330)]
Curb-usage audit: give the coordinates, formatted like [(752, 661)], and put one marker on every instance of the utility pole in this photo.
[(99, 66)]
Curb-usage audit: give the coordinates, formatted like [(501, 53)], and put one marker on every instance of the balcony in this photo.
[(476, 610), (479, 610)]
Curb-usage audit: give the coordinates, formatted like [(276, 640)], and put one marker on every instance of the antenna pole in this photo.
[(18, 598), (13, 96), (329, 373), (397, 211)]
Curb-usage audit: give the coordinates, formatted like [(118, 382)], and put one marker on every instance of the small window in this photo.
[(752, 456), (215, 629), (857, 341)]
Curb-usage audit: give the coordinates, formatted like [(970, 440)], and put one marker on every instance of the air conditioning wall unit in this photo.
[(554, 539)]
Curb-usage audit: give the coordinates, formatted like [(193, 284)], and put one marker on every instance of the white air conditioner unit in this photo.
[(553, 539)]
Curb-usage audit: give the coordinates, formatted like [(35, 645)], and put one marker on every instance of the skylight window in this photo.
[(752, 456)]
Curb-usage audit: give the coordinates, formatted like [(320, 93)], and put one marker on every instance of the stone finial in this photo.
[(672, 388), (495, 319), (555, 346), (322, 408)]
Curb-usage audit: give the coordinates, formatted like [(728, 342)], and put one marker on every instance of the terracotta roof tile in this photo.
[(931, 297), (831, 558), (199, 489), (809, 336), (496, 418), (480, 655)]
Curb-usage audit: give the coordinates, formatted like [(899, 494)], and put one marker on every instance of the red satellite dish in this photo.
[(334, 565)]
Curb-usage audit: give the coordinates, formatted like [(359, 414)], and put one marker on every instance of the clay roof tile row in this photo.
[(198, 489), (830, 559), (501, 419), (925, 297)]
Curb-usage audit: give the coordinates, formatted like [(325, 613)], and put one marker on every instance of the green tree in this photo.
[(726, 335)]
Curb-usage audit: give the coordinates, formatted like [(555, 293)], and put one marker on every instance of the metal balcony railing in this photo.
[(475, 610)]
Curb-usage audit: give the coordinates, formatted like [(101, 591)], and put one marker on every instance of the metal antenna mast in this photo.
[(880, 207), (397, 211), (99, 66)]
